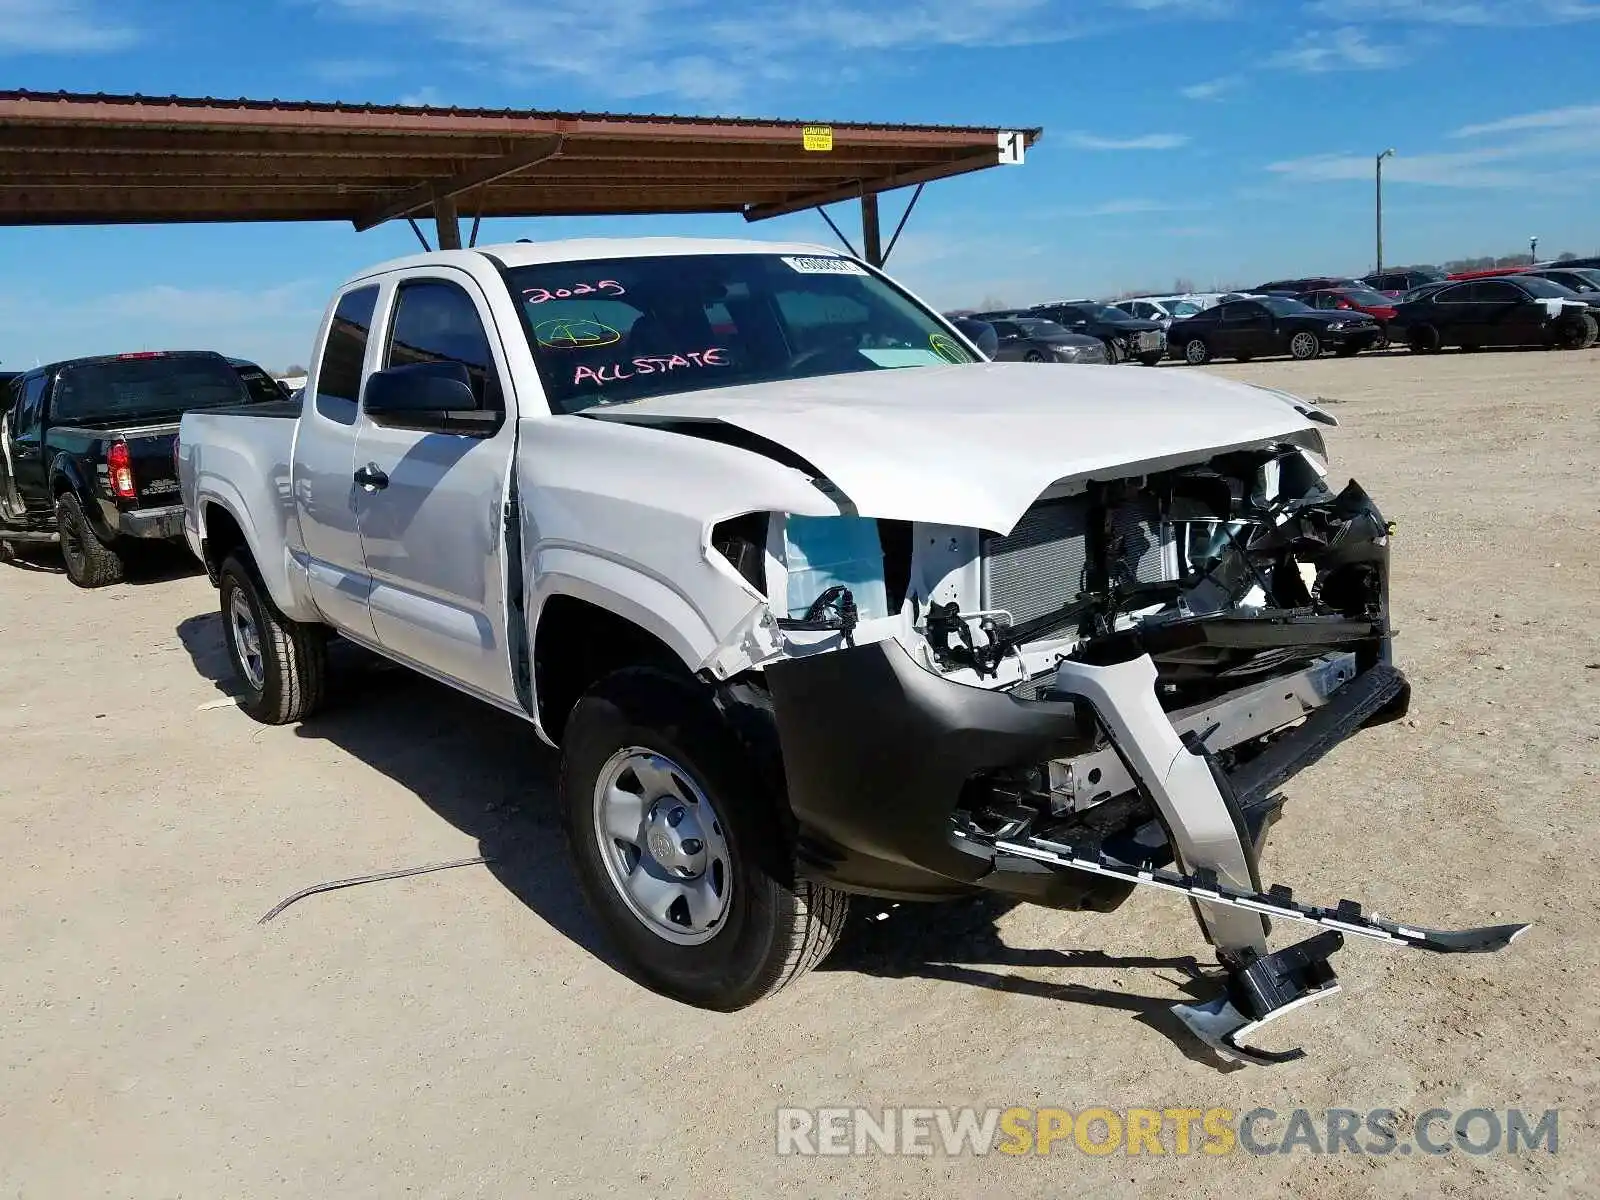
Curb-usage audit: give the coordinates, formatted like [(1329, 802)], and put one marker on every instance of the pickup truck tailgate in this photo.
[(155, 475)]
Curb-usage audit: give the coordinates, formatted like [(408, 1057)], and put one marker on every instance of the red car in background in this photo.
[(1488, 273), (1356, 299)]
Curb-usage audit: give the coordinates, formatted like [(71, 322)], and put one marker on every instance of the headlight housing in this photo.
[(1079, 354)]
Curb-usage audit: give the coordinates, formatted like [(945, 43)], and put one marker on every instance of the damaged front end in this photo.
[(1109, 694)]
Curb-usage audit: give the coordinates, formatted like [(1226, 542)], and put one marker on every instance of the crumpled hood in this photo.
[(976, 445)]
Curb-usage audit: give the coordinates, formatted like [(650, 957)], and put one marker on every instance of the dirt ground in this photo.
[(462, 1033)]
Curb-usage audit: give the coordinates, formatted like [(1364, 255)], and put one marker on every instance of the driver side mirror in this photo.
[(434, 397)]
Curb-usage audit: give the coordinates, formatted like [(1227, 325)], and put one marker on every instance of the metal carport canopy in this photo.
[(69, 159)]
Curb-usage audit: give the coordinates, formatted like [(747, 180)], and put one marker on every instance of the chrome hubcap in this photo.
[(246, 641), (663, 846), (1303, 345), (1195, 351)]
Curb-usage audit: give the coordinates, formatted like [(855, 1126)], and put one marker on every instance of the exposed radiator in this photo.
[(1041, 565)]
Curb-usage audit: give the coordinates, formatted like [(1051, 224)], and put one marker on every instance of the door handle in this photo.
[(372, 479)]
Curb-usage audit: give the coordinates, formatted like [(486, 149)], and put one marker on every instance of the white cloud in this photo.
[(1470, 169), (59, 27), (1344, 49), (1123, 207), (1212, 89), (1148, 141), (1515, 13), (1585, 116), (710, 53)]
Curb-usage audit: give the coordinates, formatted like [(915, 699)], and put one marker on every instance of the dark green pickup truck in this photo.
[(86, 450)]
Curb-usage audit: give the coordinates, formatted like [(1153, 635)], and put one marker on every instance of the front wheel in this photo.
[(1033, 356), (1305, 345), (1579, 335), (1423, 339), (1113, 351), (90, 562), (1196, 353), (679, 849), (280, 663)]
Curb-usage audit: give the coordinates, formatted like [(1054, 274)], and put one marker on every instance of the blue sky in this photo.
[(1223, 141)]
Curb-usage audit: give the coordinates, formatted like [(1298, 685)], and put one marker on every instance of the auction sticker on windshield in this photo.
[(824, 266)]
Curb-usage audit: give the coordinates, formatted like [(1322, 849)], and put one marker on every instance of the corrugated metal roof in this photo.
[(72, 158)]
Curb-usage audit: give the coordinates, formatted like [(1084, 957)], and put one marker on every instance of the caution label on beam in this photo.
[(817, 137)]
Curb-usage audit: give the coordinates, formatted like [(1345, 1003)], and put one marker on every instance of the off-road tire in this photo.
[(294, 655), (777, 926), (90, 562)]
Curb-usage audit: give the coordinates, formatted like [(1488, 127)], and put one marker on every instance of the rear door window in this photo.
[(29, 407), (339, 375), (1498, 291)]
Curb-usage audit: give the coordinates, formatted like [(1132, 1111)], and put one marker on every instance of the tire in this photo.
[(1244, 358), (1381, 344), (1033, 356), (281, 664), (1579, 336), (642, 732), (1424, 339), (1304, 346), (1113, 351), (1196, 353), (1153, 359), (90, 562)]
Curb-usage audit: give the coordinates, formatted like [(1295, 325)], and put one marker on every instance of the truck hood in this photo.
[(976, 445)]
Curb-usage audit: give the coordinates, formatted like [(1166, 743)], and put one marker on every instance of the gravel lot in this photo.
[(462, 1034)]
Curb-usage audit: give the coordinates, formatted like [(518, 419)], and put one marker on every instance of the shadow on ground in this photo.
[(157, 562), (960, 942), (486, 773)]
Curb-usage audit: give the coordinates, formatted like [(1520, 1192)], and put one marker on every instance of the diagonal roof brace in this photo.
[(423, 195)]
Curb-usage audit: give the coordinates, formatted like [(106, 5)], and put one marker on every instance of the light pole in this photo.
[(1378, 163), (1533, 248)]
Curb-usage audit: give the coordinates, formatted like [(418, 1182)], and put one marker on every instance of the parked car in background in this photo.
[(1294, 287), (1576, 262), (7, 378), (1585, 281), (1510, 310), (1357, 299), (1163, 310), (980, 333), (1033, 339), (1124, 337), (1269, 325), (86, 453), (1398, 283)]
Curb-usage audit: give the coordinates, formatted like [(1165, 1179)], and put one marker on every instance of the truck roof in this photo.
[(91, 359), (522, 254)]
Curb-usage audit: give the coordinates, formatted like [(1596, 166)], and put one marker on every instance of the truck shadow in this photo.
[(486, 773), (960, 942), (480, 769)]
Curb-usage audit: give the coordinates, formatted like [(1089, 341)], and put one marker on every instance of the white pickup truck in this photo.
[(817, 601)]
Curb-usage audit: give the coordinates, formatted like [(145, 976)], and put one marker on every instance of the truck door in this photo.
[(27, 445), (324, 459), (431, 512)]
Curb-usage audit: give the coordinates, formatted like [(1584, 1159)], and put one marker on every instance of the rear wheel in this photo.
[(1579, 335), (1033, 356), (90, 562), (679, 848), (1196, 352), (1424, 339), (1305, 345), (280, 663)]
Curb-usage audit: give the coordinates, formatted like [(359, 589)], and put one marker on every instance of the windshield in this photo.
[(1042, 329), (1282, 305), (159, 385), (1104, 312), (1588, 275), (609, 331)]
